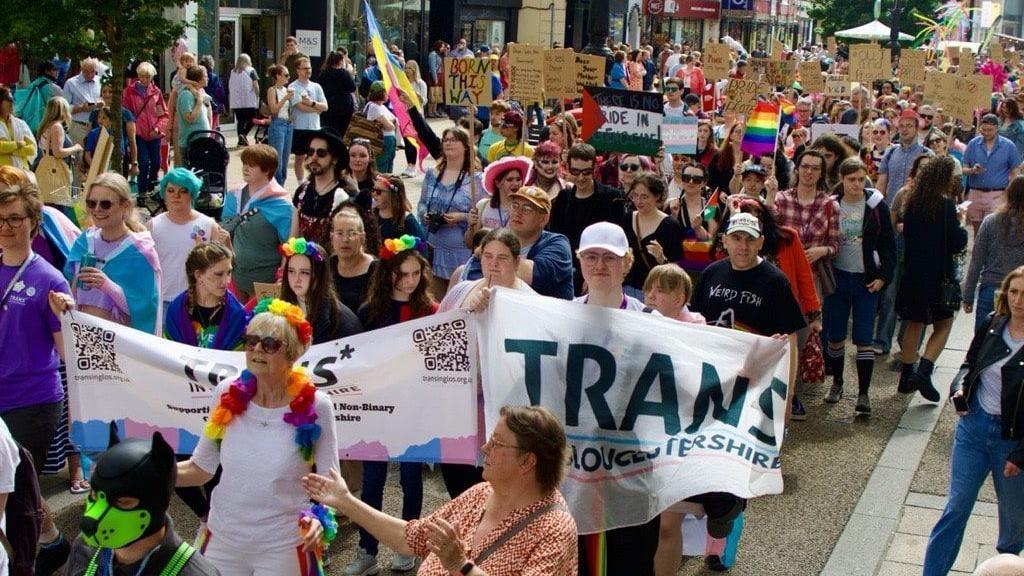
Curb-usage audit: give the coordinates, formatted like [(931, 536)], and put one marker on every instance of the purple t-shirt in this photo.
[(28, 373), (92, 296)]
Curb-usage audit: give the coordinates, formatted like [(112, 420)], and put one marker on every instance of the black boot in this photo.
[(922, 380), (906, 385)]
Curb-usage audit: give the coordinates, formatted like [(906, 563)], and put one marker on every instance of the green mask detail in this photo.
[(114, 527)]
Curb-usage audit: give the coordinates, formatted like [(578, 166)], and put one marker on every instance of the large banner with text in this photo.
[(405, 392), (655, 410)]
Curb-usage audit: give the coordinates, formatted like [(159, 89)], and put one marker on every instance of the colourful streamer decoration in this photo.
[(762, 130)]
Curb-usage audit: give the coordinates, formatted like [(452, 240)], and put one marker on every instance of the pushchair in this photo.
[(208, 157)]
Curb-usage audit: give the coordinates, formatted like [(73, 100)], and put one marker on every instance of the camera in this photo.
[(960, 403), (434, 221)]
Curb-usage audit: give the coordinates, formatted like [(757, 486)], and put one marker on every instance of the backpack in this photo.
[(30, 103), (24, 514)]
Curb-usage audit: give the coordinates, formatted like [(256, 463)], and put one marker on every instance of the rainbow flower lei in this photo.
[(301, 246), (392, 246)]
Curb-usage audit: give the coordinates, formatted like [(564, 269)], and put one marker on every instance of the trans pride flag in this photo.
[(762, 130), (395, 80)]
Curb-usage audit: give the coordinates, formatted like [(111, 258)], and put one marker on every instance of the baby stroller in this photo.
[(208, 157)]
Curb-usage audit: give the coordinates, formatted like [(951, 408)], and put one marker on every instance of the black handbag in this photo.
[(951, 296)]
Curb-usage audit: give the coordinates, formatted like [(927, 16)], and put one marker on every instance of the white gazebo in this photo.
[(873, 30)]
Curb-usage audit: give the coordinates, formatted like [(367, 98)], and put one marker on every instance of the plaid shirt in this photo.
[(817, 222)]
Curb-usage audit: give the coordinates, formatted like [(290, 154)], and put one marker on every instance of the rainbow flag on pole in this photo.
[(762, 130), (395, 80)]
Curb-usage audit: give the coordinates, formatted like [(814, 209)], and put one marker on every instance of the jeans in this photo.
[(279, 135), (149, 163), (886, 317), (386, 161), (978, 449), (984, 304), (851, 294), (537, 110), (375, 474)]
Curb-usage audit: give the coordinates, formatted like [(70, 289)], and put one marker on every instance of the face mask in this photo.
[(140, 469)]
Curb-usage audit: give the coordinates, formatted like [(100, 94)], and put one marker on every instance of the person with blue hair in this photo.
[(179, 229)]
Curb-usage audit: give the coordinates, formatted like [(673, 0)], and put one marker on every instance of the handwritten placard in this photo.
[(589, 71), (1014, 58), (742, 95), (811, 78), (912, 67), (981, 86), (266, 290), (622, 121), (778, 50), (838, 88), (831, 44), (468, 81), (526, 73), (852, 130), (959, 96), (995, 50), (966, 63), (560, 73), (679, 134), (717, 61), (868, 63)]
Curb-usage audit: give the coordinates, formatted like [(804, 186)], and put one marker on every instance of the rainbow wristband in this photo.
[(325, 515)]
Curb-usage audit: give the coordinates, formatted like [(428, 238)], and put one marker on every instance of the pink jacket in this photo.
[(149, 110)]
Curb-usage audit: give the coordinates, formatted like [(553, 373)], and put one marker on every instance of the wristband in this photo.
[(325, 515)]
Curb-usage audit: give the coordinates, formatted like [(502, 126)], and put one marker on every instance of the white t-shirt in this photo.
[(9, 460), (256, 506), (679, 111), (375, 110), (241, 92), (306, 120), (173, 244)]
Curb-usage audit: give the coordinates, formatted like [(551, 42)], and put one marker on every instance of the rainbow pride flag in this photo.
[(762, 130), (788, 112)]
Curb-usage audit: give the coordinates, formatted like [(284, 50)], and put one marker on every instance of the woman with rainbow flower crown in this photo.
[(308, 284), (261, 523), (399, 291)]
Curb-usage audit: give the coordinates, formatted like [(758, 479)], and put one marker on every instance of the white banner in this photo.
[(405, 392), (656, 411)]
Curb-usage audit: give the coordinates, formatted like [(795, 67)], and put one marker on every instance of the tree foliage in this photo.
[(114, 31), (834, 15)]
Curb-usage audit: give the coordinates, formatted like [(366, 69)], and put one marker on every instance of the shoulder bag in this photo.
[(826, 275), (53, 177), (361, 127), (950, 296)]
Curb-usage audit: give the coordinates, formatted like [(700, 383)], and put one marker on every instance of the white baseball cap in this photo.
[(604, 235), (743, 222)]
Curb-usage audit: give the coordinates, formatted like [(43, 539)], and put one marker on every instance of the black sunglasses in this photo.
[(318, 152), (691, 178), (103, 204), (629, 167), (269, 344)]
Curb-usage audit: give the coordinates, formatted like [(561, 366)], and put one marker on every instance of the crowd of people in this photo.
[(828, 239)]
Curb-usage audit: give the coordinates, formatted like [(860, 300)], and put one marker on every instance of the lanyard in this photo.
[(17, 275)]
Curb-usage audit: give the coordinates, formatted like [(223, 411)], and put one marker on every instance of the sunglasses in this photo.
[(583, 172), (103, 204), (629, 167), (671, 89), (318, 152), (365, 141), (691, 178), (269, 344), (927, 116)]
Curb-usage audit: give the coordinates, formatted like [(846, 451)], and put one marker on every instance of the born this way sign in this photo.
[(622, 120)]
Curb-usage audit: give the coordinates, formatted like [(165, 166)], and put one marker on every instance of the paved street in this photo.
[(860, 495)]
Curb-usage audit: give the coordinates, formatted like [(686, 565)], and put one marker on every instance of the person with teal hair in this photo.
[(377, 111), (179, 229)]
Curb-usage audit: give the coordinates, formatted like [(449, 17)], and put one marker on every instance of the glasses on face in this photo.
[(269, 344), (927, 116), (671, 89), (378, 191), (691, 178), (494, 442), (577, 172), (879, 132), (629, 167), (934, 142), (811, 167), (450, 140), (13, 221), (346, 234), (318, 152), (102, 204), (523, 207), (591, 259)]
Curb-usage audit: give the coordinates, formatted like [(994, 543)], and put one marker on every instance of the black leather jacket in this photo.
[(987, 348)]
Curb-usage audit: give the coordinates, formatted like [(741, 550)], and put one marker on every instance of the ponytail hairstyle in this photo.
[(200, 259)]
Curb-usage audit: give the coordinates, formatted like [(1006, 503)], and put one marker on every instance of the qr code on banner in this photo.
[(94, 348), (445, 347)]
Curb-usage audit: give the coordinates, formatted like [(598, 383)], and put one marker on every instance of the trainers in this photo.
[(798, 412), (923, 384), (402, 563), (835, 393), (52, 556), (721, 526), (714, 563), (409, 172), (863, 407), (364, 564)]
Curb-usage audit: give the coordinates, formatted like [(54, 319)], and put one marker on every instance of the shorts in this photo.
[(300, 141), (34, 428), (983, 203)]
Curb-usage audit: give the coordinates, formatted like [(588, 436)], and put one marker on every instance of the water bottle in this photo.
[(89, 260)]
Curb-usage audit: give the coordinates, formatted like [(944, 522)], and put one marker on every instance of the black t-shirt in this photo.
[(669, 235), (758, 300), (352, 291), (571, 215)]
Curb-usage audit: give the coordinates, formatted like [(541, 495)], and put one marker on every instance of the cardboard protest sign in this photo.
[(995, 50), (742, 95), (589, 71), (1014, 58), (622, 120), (912, 66), (852, 130), (959, 96), (716, 59), (966, 65), (468, 81), (838, 88), (266, 290), (868, 63), (831, 44), (981, 87), (811, 78), (560, 73), (778, 72), (679, 134), (526, 73), (778, 50)]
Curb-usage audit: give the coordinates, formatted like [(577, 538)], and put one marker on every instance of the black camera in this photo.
[(434, 221), (960, 403)]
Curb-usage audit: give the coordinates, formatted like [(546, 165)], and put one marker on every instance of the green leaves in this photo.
[(835, 15)]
